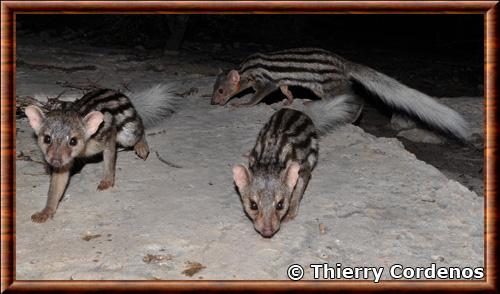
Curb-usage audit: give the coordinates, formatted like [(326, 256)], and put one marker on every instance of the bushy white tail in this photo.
[(329, 114), (155, 103), (409, 100)]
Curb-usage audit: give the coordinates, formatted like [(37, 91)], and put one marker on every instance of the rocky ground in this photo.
[(371, 201)]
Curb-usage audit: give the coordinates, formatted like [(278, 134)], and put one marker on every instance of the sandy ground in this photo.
[(376, 204)]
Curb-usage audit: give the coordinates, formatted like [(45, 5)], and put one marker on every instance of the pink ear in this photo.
[(241, 176), (234, 76), (292, 175), (92, 121), (35, 116)]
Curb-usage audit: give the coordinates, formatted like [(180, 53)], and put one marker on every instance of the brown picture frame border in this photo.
[(9, 9)]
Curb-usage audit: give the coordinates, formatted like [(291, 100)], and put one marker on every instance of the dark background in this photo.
[(440, 54)]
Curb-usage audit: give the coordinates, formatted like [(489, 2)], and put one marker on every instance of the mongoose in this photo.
[(95, 123), (281, 162), (328, 75)]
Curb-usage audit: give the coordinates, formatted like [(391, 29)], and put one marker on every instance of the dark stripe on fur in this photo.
[(98, 101), (326, 80), (117, 110), (286, 69), (121, 125), (286, 127)]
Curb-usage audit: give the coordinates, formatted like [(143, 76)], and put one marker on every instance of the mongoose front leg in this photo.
[(109, 156), (141, 147), (284, 89), (58, 181), (261, 92), (297, 194)]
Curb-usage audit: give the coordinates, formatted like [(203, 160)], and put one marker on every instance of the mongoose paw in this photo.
[(235, 104), (142, 150), (105, 184), (238, 104), (288, 217), (41, 217)]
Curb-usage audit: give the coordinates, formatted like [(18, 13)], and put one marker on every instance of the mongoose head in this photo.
[(266, 198), (225, 87), (62, 135)]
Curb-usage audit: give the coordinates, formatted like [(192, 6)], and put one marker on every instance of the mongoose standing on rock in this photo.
[(281, 162), (94, 124), (328, 75)]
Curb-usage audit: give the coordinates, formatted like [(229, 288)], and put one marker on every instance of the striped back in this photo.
[(288, 136), (300, 66), (117, 108)]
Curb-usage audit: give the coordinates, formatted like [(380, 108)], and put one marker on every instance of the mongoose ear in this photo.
[(234, 76), (241, 176), (35, 116), (92, 121), (292, 175)]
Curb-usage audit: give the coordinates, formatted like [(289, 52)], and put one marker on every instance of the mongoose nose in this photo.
[(56, 162), (267, 233)]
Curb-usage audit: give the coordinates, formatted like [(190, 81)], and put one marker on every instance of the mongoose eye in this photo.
[(253, 205), (47, 139), (279, 205), (220, 91), (73, 141)]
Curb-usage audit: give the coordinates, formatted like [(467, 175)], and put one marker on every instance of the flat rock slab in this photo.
[(377, 206), (369, 203)]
